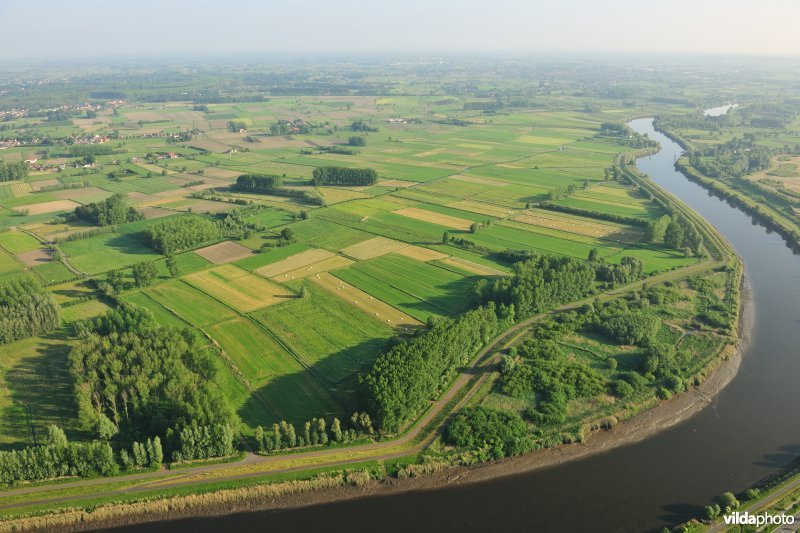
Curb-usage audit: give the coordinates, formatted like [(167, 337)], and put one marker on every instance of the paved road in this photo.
[(756, 507)]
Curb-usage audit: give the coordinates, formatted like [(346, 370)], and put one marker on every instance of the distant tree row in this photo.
[(13, 171), (174, 234), (130, 372), (344, 176), (109, 212), (360, 125), (26, 309)]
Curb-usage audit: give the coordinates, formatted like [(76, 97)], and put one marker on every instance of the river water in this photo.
[(751, 428)]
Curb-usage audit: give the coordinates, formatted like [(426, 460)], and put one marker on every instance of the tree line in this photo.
[(26, 309), (315, 432), (273, 184), (344, 176)]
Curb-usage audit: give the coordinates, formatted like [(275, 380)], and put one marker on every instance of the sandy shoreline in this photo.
[(641, 426)]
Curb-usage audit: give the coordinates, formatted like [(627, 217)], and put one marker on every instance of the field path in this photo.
[(406, 444)]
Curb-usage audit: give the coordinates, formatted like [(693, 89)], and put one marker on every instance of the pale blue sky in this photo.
[(58, 28)]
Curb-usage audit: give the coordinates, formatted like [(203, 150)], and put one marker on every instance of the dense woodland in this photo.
[(134, 375), (110, 212), (13, 171), (26, 309), (181, 233), (344, 176)]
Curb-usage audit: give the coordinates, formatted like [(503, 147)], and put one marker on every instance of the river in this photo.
[(750, 429)]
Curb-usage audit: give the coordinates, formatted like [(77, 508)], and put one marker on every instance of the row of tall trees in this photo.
[(315, 431), (199, 441), (344, 176), (26, 309), (111, 211), (131, 373), (57, 457), (404, 378), (259, 182)]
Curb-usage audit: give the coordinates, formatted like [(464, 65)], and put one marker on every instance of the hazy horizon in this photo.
[(95, 29)]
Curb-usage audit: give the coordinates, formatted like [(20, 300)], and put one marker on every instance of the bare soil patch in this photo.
[(36, 257), (224, 252), (47, 207), (293, 262)]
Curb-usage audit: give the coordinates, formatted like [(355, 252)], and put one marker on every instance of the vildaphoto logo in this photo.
[(763, 519)]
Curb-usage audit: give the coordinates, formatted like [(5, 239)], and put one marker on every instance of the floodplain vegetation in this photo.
[(189, 278)]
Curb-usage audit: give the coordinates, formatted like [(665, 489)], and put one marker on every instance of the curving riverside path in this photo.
[(751, 428)]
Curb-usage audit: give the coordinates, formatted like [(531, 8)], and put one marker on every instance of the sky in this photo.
[(144, 28)]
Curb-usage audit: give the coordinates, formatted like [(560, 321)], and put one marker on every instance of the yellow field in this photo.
[(421, 254), (335, 195), (482, 209), (331, 263), (294, 262), (469, 266), (47, 207), (575, 224), (373, 248), (482, 181), (372, 306), (397, 183), (435, 218), (238, 288), (20, 189)]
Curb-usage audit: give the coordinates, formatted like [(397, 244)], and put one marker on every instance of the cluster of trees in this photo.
[(503, 432), (676, 232), (150, 453), (539, 283), (344, 176), (130, 372), (273, 184), (236, 125), (13, 171), (736, 158), (560, 192), (360, 125), (144, 273), (203, 441), (180, 233), (26, 309), (404, 378), (540, 369), (57, 457), (265, 183), (627, 271), (110, 212), (357, 140), (315, 431), (629, 327)]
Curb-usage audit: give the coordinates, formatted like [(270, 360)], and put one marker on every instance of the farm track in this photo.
[(258, 465)]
